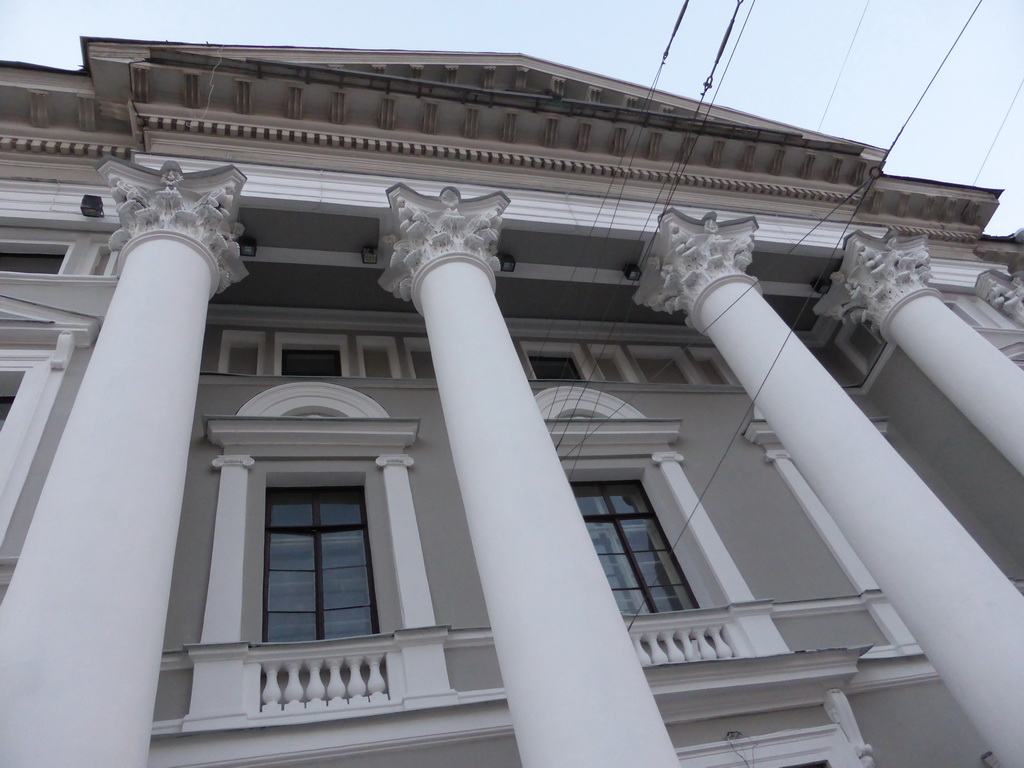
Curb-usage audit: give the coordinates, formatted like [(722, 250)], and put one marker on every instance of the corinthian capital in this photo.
[(202, 206), (423, 229), (1004, 292), (876, 276), (689, 255)]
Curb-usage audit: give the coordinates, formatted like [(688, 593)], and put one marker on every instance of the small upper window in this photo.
[(35, 263), (637, 558), (558, 368), (310, 362), (319, 584)]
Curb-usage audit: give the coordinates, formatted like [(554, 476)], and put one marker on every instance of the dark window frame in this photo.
[(616, 518), (567, 363), (316, 530), (333, 354)]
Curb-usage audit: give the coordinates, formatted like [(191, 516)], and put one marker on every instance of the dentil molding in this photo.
[(877, 275), (202, 206), (423, 229), (689, 255)]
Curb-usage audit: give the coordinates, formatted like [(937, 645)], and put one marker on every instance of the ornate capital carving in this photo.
[(877, 275), (423, 229), (202, 206), (233, 461), (394, 460), (1004, 292), (837, 707), (690, 255)]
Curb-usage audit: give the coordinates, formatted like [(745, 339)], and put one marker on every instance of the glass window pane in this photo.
[(605, 537), (290, 627), (311, 362), (341, 508), (291, 591), (626, 500), (590, 500), (341, 549), (346, 587), (563, 368), (347, 623), (672, 598), (631, 601), (618, 571), (657, 568), (642, 535), (291, 552), (291, 508)]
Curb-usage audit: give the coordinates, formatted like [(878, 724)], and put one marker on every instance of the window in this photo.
[(310, 362), (637, 559), (561, 368), (318, 583)]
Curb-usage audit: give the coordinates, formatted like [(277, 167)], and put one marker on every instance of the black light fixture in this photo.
[(369, 255), (508, 264), (247, 247), (631, 272), (92, 206)]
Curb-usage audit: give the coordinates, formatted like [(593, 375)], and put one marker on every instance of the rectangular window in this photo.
[(319, 584), (637, 558), (310, 362), (557, 368), (6, 401)]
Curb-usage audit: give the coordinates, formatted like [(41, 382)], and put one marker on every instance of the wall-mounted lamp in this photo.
[(508, 264), (369, 255), (92, 206), (631, 272), (247, 247)]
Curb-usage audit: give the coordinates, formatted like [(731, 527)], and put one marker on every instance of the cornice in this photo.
[(41, 146), (287, 436)]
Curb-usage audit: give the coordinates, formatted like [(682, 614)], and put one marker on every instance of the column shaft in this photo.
[(577, 693), (981, 381), (82, 625), (963, 611)]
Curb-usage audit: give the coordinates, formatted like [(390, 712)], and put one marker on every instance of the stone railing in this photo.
[(736, 631), (237, 685)]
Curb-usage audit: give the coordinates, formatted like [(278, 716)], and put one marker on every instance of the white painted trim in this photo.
[(231, 339), (298, 398), (412, 344), (385, 343), (612, 351), (560, 402), (782, 749)]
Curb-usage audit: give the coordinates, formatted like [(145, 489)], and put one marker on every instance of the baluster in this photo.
[(376, 686), (293, 690), (657, 655), (689, 651), (705, 649), (272, 689), (645, 658), (315, 691), (356, 686), (335, 687), (721, 647), (668, 637)]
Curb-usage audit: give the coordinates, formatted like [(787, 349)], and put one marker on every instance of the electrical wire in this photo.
[(996, 137), (843, 67)]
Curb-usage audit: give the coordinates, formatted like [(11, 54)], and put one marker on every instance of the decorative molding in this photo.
[(690, 255), (662, 456), (877, 275), (394, 460), (38, 146), (1004, 292), (202, 206), (837, 707), (306, 437), (566, 401), (313, 398), (233, 461), (424, 229)]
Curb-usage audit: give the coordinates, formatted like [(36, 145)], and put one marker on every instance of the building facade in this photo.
[(408, 408)]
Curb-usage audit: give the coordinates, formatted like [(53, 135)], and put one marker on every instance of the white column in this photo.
[(884, 283), (410, 570), (576, 691), (222, 619), (963, 611), (82, 625)]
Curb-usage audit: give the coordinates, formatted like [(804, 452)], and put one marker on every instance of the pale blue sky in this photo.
[(784, 68)]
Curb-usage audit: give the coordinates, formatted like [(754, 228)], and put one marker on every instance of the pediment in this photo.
[(26, 322)]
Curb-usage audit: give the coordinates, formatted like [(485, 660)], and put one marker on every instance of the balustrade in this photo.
[(672, 646), (319, 683)]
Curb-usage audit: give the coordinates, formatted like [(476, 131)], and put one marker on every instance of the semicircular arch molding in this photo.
[(313, 398), (570, 402)]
